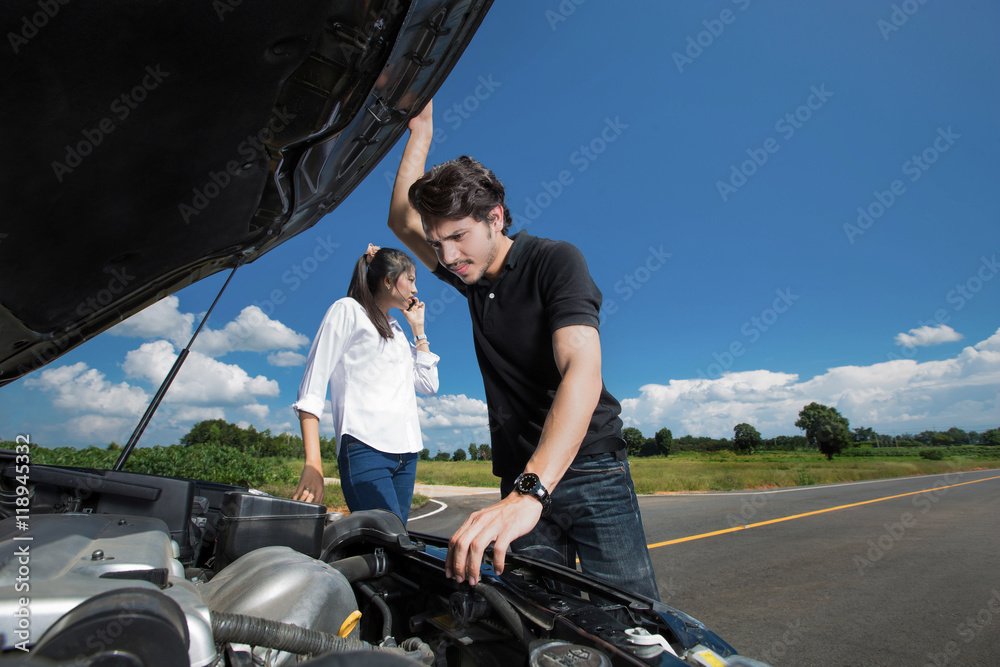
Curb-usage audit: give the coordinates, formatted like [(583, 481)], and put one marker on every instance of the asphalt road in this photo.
[(891, 572)]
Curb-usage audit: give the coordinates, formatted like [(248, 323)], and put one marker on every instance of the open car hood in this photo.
[(152, 144)]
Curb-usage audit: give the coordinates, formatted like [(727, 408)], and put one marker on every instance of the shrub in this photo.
[(932, 454), (211, 463)]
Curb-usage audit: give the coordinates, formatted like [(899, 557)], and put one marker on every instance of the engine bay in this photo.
[(101, 567)]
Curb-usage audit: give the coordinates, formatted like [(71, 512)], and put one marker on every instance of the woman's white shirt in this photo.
[(373, 381)]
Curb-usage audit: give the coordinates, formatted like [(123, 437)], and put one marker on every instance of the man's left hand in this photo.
[(500, 524)]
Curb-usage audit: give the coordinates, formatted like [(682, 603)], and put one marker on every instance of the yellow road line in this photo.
[(799, 516)]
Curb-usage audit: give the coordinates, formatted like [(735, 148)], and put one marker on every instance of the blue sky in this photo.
[(781, 202)]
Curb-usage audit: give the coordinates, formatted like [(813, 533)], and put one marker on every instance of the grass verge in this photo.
[(694, 472)]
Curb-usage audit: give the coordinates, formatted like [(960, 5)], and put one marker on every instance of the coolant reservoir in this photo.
[(564, 654)]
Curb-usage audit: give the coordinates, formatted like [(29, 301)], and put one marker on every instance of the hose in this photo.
[(382, 607), (241, 629), (255, 631), (356, 568), (417, 649), (506, 611)]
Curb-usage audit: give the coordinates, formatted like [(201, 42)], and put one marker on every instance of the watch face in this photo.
[(527, 482)]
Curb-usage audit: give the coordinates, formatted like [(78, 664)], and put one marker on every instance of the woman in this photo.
[(373, 373)]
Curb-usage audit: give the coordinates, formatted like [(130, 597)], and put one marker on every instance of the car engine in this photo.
[(110, 568)]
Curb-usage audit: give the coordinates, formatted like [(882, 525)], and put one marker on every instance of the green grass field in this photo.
[(699, 472)]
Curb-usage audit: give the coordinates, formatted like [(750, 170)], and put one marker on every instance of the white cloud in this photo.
[(191, 415), (286, 359), (251, 331), (99, 428), (962, 391), (452, 411), (258, 412), (202, 381), (928, 335), (81, 389), (161, 320), (991, 344)]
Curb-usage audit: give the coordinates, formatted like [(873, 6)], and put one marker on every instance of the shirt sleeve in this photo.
[(425, 372), (327, 350), (570, 293)]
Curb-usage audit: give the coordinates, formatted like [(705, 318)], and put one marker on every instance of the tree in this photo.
[(788, 443), (942, 440), (424, 455), (863, 434), (959, 436), (990, 437), (664, 440), (485, 453), (825, 428), (473, 452), (441, 456), (459, 455), (649, 447), (634, 440), (746, 439)]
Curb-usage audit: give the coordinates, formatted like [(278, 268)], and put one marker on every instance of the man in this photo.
[(556, 435)]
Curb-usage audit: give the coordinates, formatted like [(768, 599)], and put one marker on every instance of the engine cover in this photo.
[(65, 559)]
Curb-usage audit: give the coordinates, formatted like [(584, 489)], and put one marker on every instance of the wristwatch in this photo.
[(528, 484)]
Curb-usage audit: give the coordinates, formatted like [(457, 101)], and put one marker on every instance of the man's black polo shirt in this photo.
[(544, 285)]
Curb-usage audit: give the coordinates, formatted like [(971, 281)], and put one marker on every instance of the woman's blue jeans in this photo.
[(594, 517), (372, 479)]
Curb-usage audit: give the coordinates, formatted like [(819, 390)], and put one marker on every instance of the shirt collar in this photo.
[(522, 240)]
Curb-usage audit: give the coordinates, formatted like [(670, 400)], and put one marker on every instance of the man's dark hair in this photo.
[(459, 189)]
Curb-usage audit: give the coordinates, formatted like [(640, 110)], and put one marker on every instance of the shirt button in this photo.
[(491, 295)]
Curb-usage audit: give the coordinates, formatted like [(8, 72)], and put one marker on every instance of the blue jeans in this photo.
[(594, 517), (372, 479)]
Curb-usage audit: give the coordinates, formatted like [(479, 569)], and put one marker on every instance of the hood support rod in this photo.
[(162, 391)]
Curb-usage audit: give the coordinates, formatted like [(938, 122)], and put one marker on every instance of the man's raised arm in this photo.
[(404, 221)]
